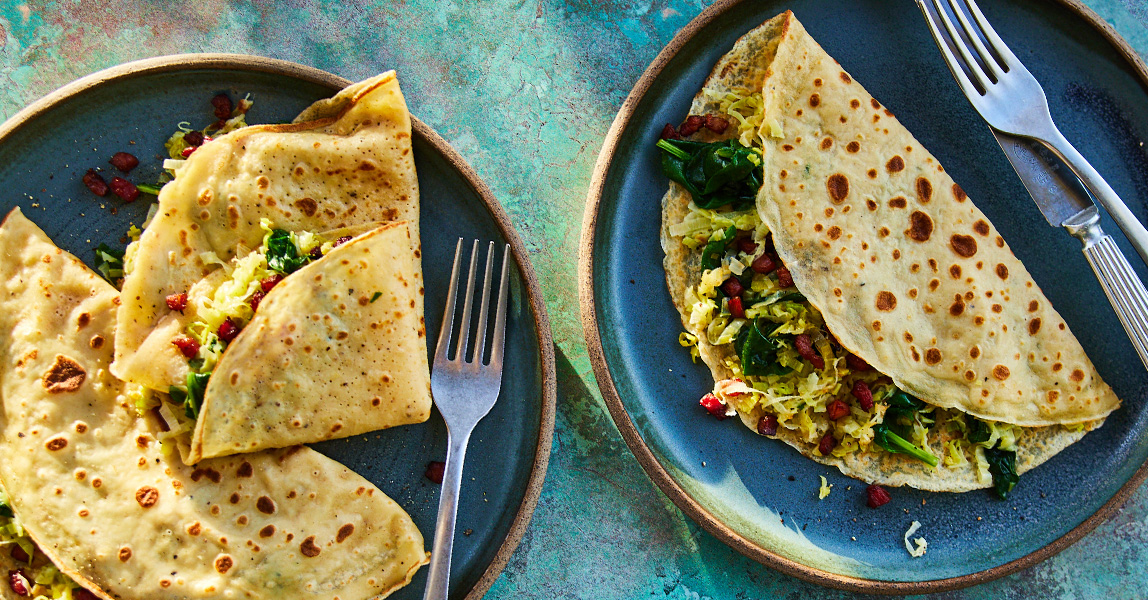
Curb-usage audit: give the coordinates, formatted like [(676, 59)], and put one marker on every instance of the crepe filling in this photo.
[(35, 573), (789, 371)]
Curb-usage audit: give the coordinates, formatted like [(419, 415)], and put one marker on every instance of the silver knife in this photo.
[(1065, 203)]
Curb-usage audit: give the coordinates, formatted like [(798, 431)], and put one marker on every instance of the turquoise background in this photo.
[(526, 91)]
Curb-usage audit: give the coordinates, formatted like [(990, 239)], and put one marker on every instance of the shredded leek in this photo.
[(921, 544)]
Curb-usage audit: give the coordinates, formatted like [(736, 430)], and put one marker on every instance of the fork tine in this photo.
[(1008, 60), (988, 59), (464, 325), (480, 343), (951, 60), (971, 65), (442, 350), (497, 346)]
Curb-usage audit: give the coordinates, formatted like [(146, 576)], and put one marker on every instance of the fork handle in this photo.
[(1100, 189), (1120, 283), (438, 577)]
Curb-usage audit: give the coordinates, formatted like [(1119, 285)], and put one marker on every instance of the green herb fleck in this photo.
[(375, 297)]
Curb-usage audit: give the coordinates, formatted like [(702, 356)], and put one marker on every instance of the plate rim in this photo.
[(544, 338), (646, 458)]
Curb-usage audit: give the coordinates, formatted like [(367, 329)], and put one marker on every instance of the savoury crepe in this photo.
[(92, 485), (899, 285), (347, 163), (908, 272), (332, 351)]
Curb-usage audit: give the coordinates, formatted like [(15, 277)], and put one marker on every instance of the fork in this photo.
[(464, 391), (1012, 101)]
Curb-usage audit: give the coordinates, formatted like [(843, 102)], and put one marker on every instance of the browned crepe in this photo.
[(347, 162), (771, 54), (95, 490), (333, 351), (909, 274)]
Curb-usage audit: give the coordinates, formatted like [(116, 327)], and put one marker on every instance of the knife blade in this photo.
[(1058, 193), (1064, 202)]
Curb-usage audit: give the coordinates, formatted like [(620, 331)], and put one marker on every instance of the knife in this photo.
[(1064, 202)]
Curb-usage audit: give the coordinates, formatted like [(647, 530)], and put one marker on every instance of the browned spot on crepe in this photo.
[(838, 186), (65, 375), (147, 496), (924, 190), (886, 301), (963, 245), (920, 226), (308, 547)]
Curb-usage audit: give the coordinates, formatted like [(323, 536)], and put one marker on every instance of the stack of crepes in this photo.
[(855, 303), (275, 299)]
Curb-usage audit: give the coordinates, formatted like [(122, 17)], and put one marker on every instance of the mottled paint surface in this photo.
[(526, 91)]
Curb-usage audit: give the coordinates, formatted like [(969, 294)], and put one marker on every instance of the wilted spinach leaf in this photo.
[(715, 174), (758, 351), (196, 386), (1002, 466), (282, 255)]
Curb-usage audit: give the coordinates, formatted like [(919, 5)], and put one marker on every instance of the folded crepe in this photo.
[(346, 161), (898, 281), (332, 351), (95, 489), (248, 209)]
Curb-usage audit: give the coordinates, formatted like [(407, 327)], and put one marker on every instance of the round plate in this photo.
[(760, 496), (47, 147)]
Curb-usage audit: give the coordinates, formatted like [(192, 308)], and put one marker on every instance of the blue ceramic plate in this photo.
[(45, 149), (760, 496)]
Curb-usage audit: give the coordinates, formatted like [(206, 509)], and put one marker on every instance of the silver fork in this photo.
[(464, 392), (1011, 100)]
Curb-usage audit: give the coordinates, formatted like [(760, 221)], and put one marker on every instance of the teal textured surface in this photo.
[(526, 91)]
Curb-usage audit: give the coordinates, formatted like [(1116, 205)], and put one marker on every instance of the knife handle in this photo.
[(1120, 283)]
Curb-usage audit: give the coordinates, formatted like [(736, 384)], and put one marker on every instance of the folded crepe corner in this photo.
[(377, 97), (349, 162), (331, 352), (95, 490)]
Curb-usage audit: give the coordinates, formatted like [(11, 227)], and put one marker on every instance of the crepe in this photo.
[(907, 273), (95, 490), (926, 289), (346, 162), (333, 351)]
